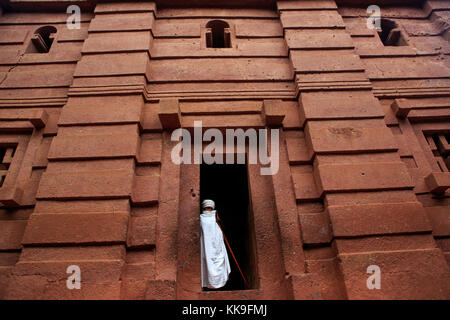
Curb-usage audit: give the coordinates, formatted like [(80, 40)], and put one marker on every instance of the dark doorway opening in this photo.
[(228, 186)]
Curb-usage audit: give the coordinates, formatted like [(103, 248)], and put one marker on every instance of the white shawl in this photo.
[(215, 264)]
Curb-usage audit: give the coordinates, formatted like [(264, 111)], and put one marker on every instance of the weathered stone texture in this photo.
[(364, 145)]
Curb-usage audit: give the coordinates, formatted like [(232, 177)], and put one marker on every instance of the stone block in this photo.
[(306, 5), (305, 286), (117, 42), (102, 110), (307, 61), (140, 21), (65, 147), (105, 184), (169, 113), (438, 182), (127, 7), (316, 228), (305, 186), (145, 190), (401, 107), (352, 137), (11, 234), (120, 64), (380, 218), (77, 228), (418, 274), (440, 220), (318, 39), (150, 150), (311, 19), (160, 290), (142, 232), (338, 105), (273, 113)]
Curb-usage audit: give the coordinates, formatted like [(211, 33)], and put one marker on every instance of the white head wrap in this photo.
[(208, 203)]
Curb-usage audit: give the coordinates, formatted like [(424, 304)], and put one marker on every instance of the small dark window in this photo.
[(441, 150), (218, 34), (6, 155), (42, 40), (227, 185), (390, 34)]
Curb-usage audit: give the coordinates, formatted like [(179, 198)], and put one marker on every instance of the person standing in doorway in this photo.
[(215, 265)]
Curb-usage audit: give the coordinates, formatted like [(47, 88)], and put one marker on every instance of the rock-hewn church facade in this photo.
[(87, 113)]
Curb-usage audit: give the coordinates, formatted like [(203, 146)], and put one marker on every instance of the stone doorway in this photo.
[(227, 185), (266, 272)]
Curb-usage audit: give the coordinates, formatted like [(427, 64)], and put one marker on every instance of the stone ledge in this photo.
[(438, 182)]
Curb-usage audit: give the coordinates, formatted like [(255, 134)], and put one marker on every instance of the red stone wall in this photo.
[(361, 181)]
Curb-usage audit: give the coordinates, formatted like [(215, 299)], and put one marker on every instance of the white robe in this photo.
[(215, 264)]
